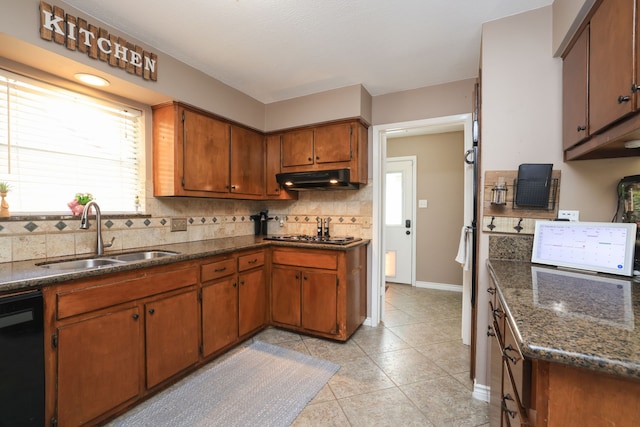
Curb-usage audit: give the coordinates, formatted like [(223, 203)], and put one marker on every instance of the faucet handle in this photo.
[(108, 245)]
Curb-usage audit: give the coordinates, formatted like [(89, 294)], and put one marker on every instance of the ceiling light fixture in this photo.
[(91, 79)]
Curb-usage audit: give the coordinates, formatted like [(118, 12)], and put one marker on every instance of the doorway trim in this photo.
[(379, 138)]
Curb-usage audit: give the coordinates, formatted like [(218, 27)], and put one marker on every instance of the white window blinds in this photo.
[(55, 143)]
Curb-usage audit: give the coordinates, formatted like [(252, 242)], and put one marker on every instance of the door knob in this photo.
[(407, 232)]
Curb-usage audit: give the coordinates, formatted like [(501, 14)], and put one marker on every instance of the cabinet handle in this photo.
[(235, 284), (497, 313), (506, 409), (512, 359), (635, 88), (233, 187), (219, 270), (152, 311), (490, 332), (622, 99), (582, 128), (492, 291), (135, 316), (253, 261)]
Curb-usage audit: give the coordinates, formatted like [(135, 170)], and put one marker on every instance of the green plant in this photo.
[(5, 187), (84, 198)]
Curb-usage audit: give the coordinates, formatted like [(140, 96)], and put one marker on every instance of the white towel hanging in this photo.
[(464, 248)]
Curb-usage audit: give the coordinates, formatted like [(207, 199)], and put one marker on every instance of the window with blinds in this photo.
[(55, 143)]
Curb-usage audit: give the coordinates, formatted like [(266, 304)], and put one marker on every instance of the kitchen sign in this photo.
[(77, 34)]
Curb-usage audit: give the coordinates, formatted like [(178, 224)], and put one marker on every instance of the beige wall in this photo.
[(424, 103), (440, 176), (521, 123)]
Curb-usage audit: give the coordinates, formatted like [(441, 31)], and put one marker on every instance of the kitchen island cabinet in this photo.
[(575, 344), (319, 292)]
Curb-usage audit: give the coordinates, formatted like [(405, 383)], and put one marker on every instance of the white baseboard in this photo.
[(439, 286), (481, 392), (368, 322)]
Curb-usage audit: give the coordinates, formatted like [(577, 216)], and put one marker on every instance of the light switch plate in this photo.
[(422, 203), (178, 224), (573, 216)]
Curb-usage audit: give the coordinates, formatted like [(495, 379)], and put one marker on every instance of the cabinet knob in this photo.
[(277, 190), (297, 276), (622, 99), (135, 316), (233, 187), (582, 128), (506, 409), (635, 88), (512, 359), (235, 284), (305, 278), (317, 157), (241, 282), (310, 159), (492, 291), (490, 332), (151, 311)]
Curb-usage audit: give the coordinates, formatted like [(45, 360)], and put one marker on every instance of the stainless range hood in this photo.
[(337, 179)]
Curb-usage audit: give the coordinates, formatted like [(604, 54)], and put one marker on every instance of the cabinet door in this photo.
[(219, 315), (98, 365), (285, 296), (272, 163), (297, 148), (206, 153), (320, 301), (247, 162), (333, 143), (171, 328), (252, 294), (574, 92), (610, 63), (495, 399)]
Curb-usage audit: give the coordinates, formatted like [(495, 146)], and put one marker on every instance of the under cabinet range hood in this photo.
[(337, 179)]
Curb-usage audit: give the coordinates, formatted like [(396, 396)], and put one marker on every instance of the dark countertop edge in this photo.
[(41, 279), (554, 355)]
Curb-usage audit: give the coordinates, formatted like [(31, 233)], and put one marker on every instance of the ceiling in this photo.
[(274, 50)]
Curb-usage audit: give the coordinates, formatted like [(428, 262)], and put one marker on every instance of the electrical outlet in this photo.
[(178, 224), (573, 216)]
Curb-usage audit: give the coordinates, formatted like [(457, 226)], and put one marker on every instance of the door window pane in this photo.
[(394, 199)]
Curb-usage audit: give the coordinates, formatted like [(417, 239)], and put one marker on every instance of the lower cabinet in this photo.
[(320, 292), (234, 299), (98, 365)]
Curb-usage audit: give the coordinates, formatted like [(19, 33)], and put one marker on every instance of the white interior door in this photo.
[(399, 253)]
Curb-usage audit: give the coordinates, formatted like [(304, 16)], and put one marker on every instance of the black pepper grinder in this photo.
[(326, 227), (319, 227)]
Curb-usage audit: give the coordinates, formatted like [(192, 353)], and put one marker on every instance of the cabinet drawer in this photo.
[(518, 368), (214, 270), (313, 259), (249, 261), (512, 411)]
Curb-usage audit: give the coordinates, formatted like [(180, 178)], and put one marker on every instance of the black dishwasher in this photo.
[(21, 360)]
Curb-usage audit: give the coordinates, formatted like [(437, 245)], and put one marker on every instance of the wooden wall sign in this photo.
[(77, 34)]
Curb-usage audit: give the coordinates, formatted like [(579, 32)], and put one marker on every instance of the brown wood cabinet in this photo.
[(273, 158), (110, 333), (197, 154), (575, 92), (330, 146), (234, 299), (605, 51), (319, 292)]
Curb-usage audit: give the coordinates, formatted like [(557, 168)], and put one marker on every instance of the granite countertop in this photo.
[(27, 275), (583, 320)]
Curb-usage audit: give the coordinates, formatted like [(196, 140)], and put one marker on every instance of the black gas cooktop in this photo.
[(314, 239)]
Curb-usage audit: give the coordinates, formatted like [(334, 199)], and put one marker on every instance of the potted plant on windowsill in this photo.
[(77, 204), (4, 206)]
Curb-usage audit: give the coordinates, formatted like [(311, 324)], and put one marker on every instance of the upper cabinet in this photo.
[(196, 154), (330, 146), (600, 103)]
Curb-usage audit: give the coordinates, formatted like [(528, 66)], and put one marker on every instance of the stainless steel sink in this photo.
[(142, 255), (80, 264)]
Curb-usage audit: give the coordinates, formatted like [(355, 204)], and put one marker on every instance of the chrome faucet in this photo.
[(84, 225)]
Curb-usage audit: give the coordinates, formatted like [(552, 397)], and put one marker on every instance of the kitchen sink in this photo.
[(80, 264), (142, 255)]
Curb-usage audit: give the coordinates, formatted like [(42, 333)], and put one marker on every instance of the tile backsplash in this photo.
[(42, 237)]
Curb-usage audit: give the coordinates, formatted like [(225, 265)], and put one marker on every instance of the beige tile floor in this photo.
[(411, 371)]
